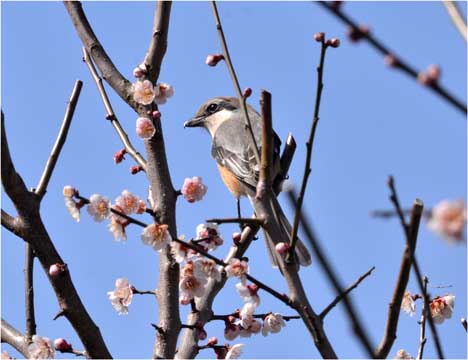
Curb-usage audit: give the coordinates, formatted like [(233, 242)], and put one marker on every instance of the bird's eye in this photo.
[(212, 108)]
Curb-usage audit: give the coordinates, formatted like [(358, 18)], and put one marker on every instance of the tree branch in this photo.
[(14, 338), (285, 162), (12, 224), (345, 293), (456, 17), (110, 115), (422, 323), (29, 291), (158, 44), (399, 63), (62, 136), (265, 179)]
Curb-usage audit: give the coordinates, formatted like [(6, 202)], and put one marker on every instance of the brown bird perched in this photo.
[(233, 151)]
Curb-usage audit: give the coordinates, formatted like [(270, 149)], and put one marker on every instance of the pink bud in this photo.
[(282, 248), (356, 34), (56, 269), (231, 318), (136, 169), (119, 156), (156, 114), (214, 59), (247, 92), (212, 341), (201, 334), (433, 72), (236, 238), (333, 42), (62, 345), (139, 71), (319, 36), (390, 60)]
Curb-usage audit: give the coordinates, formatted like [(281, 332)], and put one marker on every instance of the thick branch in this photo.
[(456, 17), (333, 278), (394, 306), (158, 44), (110, 115), (62, 136), (12, 224), (345, 293), (14, 338), (399, 63)]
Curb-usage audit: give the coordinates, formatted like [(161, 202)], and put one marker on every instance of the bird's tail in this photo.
[(302, 253)]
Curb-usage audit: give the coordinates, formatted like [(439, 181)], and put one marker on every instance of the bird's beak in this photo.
[(195, 122)]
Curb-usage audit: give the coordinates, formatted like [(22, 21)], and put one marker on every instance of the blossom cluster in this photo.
[(441, 307)]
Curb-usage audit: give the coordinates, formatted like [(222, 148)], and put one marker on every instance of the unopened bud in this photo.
[(212, 341), (236, 238), (138, 72), (136, 169), (214, 59), (247, 92), (282, 248), (201, 334), (57, 269), (231, 318), (156, 114), (319, 36), (119, 156), (333, 42), (390, 60), (356, 34), (433, 72), (62, 345)]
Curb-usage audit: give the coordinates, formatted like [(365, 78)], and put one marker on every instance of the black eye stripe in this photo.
[(212, 108)]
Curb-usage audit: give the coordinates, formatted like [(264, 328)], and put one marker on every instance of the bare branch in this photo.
[(464, 324), (29, 291), (158, 44), (60, 141), (345, 293), (285, 162), (129, 148), (456, 17), (235, 82), (247, 221), (333, 278), (14, 338), (265, 179), (309, 145), (399, 63), (12, 224), (422, 323)]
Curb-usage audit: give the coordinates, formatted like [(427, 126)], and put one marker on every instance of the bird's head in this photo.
[(213, 113)]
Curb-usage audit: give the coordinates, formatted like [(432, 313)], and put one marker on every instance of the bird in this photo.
[(232, 149)]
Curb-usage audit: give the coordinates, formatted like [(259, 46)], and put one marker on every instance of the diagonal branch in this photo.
[(345, 293), (456, 17), (62, 136), (399, 63), (14, 338), (12, 224), (158, 44), (130, 149)]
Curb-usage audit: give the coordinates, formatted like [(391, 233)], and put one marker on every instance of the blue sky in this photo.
[(374, 122)]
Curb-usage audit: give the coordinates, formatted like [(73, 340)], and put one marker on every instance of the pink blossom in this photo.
[(69, 191), (145, 128), (73, 208), (62, 345), (165, 91), (127, 203), (442, 308), (144, 92), (254, 328), (210, 235), (57, 269), (272, 323), (448, 219), (141, 207), (193, 189), (402, 354), (99, 207), (407, 305), (214, 59), (179, 251), (235, 351), (41, 348), (231, 331), (191, 287), (248, 293), (237, 268), (117, 227), (156, 235), (139, 71), (282, 248), (122, 296)]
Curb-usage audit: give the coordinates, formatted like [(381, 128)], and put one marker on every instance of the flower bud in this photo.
[(236, 238), (56, 269), (201, 334), (356, 34), (390, 60), (247, 92), (62, 345), (333, 42), (282, 248), (212, 341), (138, 72), (156, 114), (136, 169), (433, 72), (119, 156), (214, 59), (319, 36)]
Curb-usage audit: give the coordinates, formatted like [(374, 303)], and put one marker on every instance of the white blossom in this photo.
[(156, 235), (235, 351), (442, 308), (99, 207), (272, 323), (144, 92), (122, 296), (41, 348), (407, 304)]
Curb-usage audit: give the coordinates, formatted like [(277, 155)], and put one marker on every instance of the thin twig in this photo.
[(130, 149), (456, 17), (247, 221), (256, 316), (309, 146), (345, 293), (60, 141), (399, 62), (14, 338), (422, 323), (333, 278), (235, 81), (392, 213), (29, 292), (285, 162), (265, 178), (464, 324)]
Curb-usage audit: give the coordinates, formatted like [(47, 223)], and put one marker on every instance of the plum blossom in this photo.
[(145, 128), (448, 219), (235, 351), (282, 248), (206, 268), (237, 268), (192, 283), (122, 296), (407, 305), (127, 203), (156, 235), (210, 235), (193, 189), (442, 308), (139, 71), (144, 92), (180, 251), (165, 91), (231, 331), (117, 227), (246, 315), (214, 59), (254, 328), (272, 323), (72, 206), (99, 207), (402, 354), (62, 345), (141, 207), (41, 348), (69, 191), (249, 293)]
